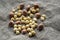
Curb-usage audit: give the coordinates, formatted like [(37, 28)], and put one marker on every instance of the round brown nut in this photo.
[(24, 12), (17, 22), (11, 24), (24, 31), (21, 5), (40, 27), (28, 7), (11, 15), (27, 26), (37, 15), (17, 32), (36, 5)]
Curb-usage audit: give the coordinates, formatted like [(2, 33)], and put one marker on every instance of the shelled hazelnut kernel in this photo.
[(21, 5), (35, 19), (11, 24), (37, 15), (17, 19), (27, 21), (33, 11), (17, 32), (24, 31), (30, 34), (27, 26), (33, 26), (28, 7), (40, 27), (43, 15), (37, 10), (20, 11), (13, 10), (11, 15), (12, 19), (19, 28), (29, 12), (23, 27), (33, 33), (19, 25), (15, 26), (18, 14), (15, 16), (28, 18), (15, 29), (31, 15), (42, 18)]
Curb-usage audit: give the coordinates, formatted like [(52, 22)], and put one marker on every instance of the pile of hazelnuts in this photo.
[(24, 19)]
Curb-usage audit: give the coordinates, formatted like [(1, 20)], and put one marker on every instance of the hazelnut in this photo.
[(31, 15), (11, 15), (24, 12), (19, 25), (27, 26), (29, 29), (30, 21), (37, 10), (15, 16), (18, 14), (17, 19), (36, 5), (35, 19), (12, 19), (28, 7), (15, 26), (40, 26), (17, 22), (33, 33), (11, 24), (33, 26), (17, 32), (21, 5), (23, 27), (33, 11), (24, 31), (30, 34), (19, 11), (28, 18), (13, 10), (42, 18), (19, 28), (27, 21), (15, 29), (37, 15), (29, 12)]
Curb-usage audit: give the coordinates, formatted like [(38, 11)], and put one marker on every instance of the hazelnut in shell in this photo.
[(37, 15), (40, 27), (24, 31)]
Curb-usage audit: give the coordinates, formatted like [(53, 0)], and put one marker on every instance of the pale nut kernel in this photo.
[(17, 32), (15, 26), (15, 16)]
